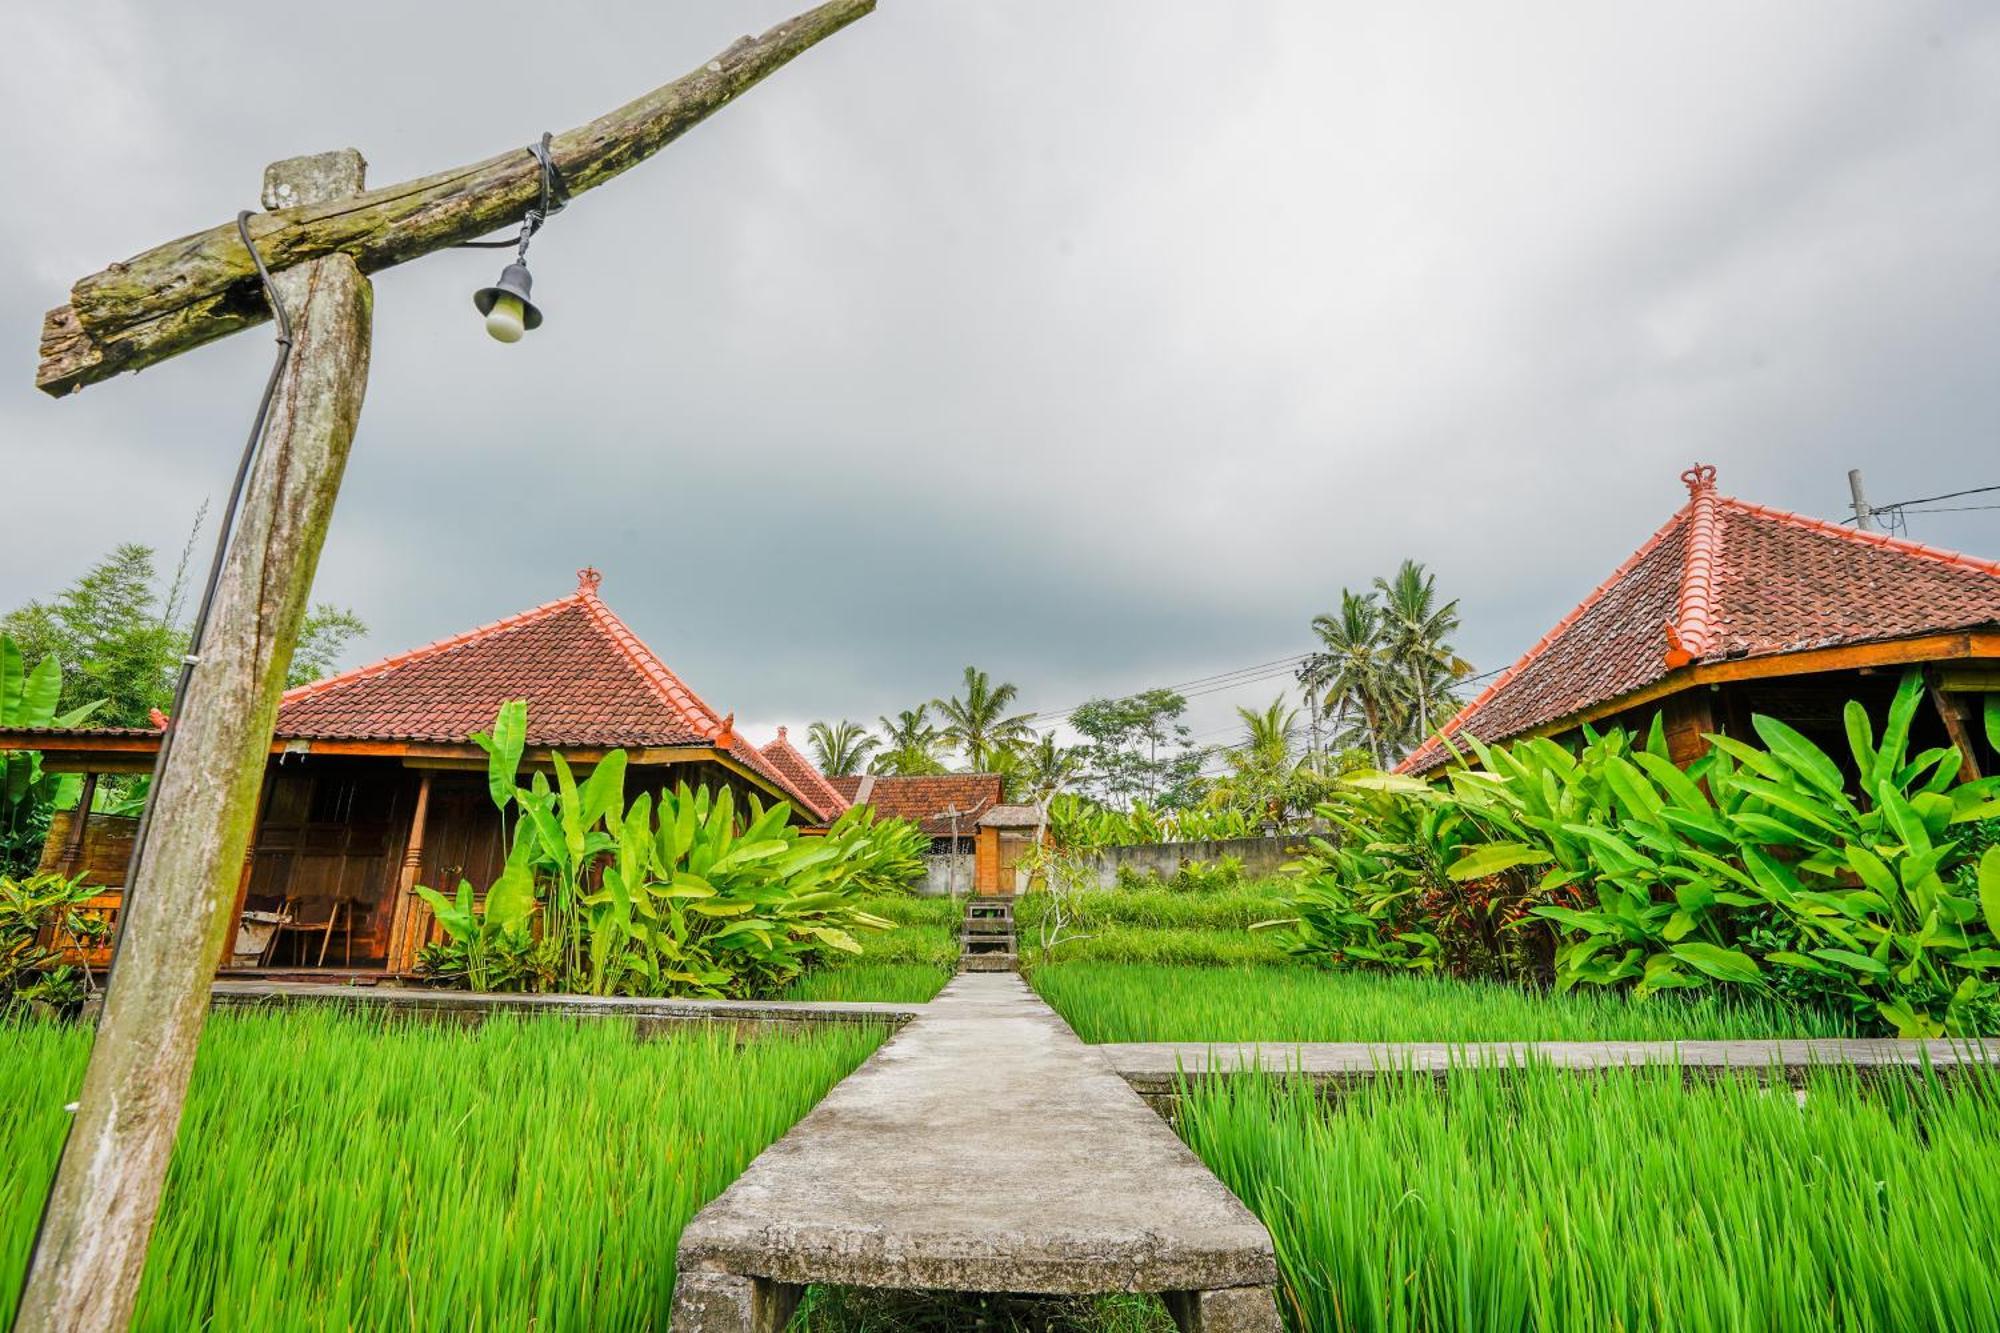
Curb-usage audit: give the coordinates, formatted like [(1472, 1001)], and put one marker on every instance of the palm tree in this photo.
[(1269, 736), (1417, 632), (977, 723), (841, 748), (910, 746), (1354, 673), (1263, 763), (1047, 767)]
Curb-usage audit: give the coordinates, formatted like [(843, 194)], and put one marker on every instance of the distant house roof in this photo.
[(924, 800), (820, 798), (1012, 816), (1725, 580), (589, 682)]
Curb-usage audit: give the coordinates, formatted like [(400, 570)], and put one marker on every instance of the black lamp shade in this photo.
[(515, 280)]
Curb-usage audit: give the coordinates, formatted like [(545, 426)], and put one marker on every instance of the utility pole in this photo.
[(322, 235), (1864, 517)]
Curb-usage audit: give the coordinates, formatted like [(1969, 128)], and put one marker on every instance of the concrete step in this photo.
[(989, 962), (983, 1148)]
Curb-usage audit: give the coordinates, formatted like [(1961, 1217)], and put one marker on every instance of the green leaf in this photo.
[(39, 692), (1495, 857), (504, 746), (1799, 754), (1989, 889), (1860, 962), (1992, 711), (1718, 962)]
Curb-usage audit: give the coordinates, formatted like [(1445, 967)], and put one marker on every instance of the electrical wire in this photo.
[(197, 632)]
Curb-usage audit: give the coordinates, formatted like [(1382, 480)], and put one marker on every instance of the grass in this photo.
[(1137, 1002), (337, 1171), (907, 965), (1545, 1201), (881, 983), (1163, 926)]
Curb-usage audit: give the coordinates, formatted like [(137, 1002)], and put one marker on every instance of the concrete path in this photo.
[(983, 1148), (1152, 1067)]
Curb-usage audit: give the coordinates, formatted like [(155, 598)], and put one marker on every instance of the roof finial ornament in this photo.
[(726, 738), (1700, 478), (781, 732), (588, 578)]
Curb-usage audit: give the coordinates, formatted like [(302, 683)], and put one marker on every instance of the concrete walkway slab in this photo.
[(1152, 1067), (983, 1148)]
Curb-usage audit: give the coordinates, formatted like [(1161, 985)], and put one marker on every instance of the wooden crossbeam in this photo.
[(202, 287)]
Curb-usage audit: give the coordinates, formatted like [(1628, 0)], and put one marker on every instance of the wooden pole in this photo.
[(79, 825), (404, 922), (85, 1271), (201, 287)]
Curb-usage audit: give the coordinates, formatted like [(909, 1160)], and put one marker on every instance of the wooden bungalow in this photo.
[(374, 785), (1733, 609)]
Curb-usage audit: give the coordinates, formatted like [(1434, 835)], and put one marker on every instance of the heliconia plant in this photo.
[(683, 892), (1863, 888)]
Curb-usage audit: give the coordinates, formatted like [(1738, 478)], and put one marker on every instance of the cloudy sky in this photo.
[(1099, 344)]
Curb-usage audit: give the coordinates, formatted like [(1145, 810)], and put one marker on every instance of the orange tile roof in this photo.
[(1726, 579), (924, 800), (821, 799), (587, 678)]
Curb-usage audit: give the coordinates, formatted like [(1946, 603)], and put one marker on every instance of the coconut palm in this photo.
[(1047, 767), (1355, 674), (977, 722), (841, 748), (1416, 631), (910, 745)]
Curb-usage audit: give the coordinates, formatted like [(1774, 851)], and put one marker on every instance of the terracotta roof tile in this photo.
[(1726, 579), (587, 678), (820, 798), (925, 799)]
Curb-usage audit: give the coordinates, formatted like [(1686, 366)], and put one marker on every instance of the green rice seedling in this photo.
[(336, 1171), (1541, 1200), (1145, 944), (1131, 1002), (1161, 909), (887, 983)]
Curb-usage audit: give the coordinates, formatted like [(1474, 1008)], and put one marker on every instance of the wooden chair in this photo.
[(339, 915)]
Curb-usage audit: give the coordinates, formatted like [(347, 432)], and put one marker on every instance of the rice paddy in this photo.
[(1143, 1002), (1546, 1201), (880, 983), (335, 1171)]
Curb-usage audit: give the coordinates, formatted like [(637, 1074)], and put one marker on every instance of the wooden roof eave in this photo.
[(1956, 646), (118, 754)]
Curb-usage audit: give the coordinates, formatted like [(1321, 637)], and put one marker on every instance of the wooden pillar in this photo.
[(84, 1274), (249, 864), (72, 853), (1958, 728), (405, 921)]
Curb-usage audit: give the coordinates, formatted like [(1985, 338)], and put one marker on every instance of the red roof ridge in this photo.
[(1940, 554), (805, 774), (432, 649), (1692, 633), (1455, 723), (671, 689)]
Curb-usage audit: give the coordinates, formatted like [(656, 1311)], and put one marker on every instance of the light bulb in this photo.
[(503, 321)]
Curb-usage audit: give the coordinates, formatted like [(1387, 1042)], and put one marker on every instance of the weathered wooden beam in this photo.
[(201, 287), (85, 1271)]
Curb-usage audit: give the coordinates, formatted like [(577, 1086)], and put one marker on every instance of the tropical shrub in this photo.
[(27, 793), (682, 893), (1765, 867), (37, 912)]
